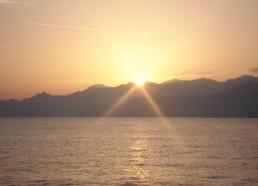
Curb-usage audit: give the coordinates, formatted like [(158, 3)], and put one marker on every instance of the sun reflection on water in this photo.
[(139, 151)]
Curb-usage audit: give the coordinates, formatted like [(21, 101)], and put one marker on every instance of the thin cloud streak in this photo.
[(203, 73), (254, 70), (6, 1), (4, 46), (84, 28)]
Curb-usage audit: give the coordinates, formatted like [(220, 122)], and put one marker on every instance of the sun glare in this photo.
[(139, 82), (138, 63)]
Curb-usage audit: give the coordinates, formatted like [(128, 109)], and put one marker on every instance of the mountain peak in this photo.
[(130, 84), (96, 86), (246, 77), (203, 79), (174, 99), (172, 81), (242, 79), (39, 96), (42, 94)]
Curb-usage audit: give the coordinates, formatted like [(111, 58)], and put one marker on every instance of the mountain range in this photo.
[(202, 97)]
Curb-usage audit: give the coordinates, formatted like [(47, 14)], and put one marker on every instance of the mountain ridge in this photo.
[(195, 98)]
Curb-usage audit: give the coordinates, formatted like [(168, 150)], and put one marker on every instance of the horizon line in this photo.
[(124, 84)]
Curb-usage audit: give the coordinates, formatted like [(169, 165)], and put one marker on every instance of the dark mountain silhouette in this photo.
[(196, 98)]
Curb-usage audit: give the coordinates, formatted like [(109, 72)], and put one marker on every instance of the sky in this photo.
[(63, 46)]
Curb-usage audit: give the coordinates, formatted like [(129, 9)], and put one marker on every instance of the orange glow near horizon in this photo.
[(139, 62), (80, 43)]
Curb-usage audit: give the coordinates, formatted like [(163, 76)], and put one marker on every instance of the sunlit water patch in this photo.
[(128, 151)]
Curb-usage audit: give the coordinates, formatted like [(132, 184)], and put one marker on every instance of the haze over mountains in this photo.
[(180, 98)]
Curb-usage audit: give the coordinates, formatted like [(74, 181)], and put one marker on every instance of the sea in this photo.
[(129, 151)]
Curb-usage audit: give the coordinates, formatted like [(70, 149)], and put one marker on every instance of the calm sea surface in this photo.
[(128, 151)]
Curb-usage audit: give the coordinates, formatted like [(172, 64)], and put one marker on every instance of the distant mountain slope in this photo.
[(239, 101), (197, 98), (200, 86)]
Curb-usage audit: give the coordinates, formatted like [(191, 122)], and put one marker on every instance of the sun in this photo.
[(139, 82), (138, 63)]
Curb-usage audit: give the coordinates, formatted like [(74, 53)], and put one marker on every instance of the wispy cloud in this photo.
[(189, 72), (6, 1), (192, 73), (4, 46), (84, 28), (254, 70), (203, 73)]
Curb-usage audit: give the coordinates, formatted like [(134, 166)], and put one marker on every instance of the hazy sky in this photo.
[(61, 46)]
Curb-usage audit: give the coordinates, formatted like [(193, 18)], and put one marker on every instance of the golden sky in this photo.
[(62, 46)]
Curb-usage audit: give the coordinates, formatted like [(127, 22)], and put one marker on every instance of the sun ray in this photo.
[(152, 103), (118, 102), (148, 97), (156, 108)]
